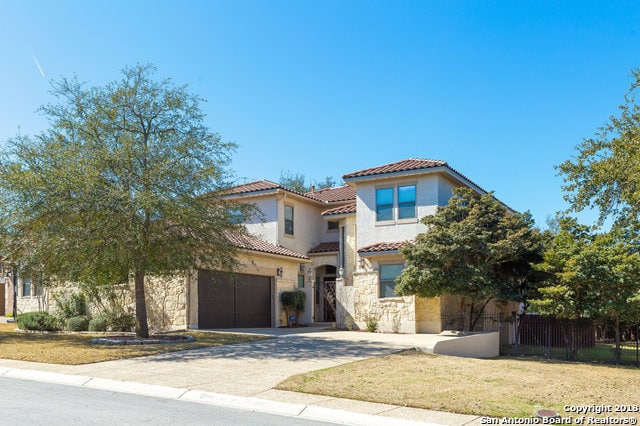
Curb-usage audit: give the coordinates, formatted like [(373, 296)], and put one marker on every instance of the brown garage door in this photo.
[(233, 300)]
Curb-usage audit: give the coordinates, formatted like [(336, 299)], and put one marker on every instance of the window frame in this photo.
[(397, 207), (381, 282), (337, 226), (385, 205), (289, 221), (412, 203), (26, 284)]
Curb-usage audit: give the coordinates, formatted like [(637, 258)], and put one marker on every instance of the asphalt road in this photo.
[(35, 403)]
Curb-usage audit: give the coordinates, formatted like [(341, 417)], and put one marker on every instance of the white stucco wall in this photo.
[(308, 225), (445, 190), (370, 231), (265, 225)]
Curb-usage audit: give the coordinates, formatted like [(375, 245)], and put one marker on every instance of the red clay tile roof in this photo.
[(249, 242), (325, 247), (259, 185), (398, 166), (348, 208), (266, 185), (334, 195), (378, 247)]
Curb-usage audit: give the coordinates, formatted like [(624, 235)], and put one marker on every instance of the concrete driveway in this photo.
[(251, 370), (246, 369)]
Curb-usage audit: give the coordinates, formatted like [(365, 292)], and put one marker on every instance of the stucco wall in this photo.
[(428, 315), (308, 225), (369, 231), (480, 345), (445, 190), (265, 224)]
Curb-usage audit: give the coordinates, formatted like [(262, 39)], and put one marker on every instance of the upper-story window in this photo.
[(288, 220), (386, 202), (407, 202), (333, 225)]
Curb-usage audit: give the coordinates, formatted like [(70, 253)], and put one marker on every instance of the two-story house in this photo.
[(340, 246)]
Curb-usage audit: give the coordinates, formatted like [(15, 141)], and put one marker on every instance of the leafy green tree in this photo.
[(605, 174), (593, 276), (474, 248), (297, 182), (126, 182)]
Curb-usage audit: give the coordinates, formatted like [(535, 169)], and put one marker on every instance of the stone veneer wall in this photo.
[(394, 314), (166, 301)]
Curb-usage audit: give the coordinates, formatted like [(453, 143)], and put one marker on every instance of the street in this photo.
[(30, 402)]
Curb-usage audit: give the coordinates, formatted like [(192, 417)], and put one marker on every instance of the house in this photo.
[(340, 246)]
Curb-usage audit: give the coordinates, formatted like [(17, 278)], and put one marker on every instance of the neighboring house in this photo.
[(341, 246)]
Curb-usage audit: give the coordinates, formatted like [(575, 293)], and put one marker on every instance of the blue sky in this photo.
[(501, 90)]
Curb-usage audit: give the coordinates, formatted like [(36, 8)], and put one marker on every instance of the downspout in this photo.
[(15, 292)]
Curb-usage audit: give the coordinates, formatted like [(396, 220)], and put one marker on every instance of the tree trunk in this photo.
[(472, 320), (617, 352), (142, 329)]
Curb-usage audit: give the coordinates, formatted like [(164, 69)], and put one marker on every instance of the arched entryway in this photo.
[(324, 294)]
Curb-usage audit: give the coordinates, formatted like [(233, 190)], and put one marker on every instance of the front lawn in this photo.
[(495, 387), (75, 349)]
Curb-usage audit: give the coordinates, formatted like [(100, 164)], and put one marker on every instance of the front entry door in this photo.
[(325, 300)]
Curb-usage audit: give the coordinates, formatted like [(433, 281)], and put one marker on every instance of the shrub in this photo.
[(70, 306), (99, 323), (293, 302), (372, 324), (79, 323), (38, 321), (124, 322)]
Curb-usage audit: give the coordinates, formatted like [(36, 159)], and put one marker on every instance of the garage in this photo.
[(231, 300)]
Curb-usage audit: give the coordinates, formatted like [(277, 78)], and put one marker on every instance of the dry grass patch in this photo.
[(495, 387), (75, 349)]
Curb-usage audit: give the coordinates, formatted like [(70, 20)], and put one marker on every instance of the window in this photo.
[(300, 281), (333, 225), (407, 202), (26, 287), (288, 220), (384, 204), (388, 275), (236, 216)]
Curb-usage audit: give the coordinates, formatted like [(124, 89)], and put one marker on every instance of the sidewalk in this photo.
[(243, 376)]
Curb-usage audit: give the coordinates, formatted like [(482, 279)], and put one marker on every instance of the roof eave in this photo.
[(304, 259), (378, 253)]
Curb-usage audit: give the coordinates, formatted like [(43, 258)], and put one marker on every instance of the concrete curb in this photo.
[(310, 412)]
